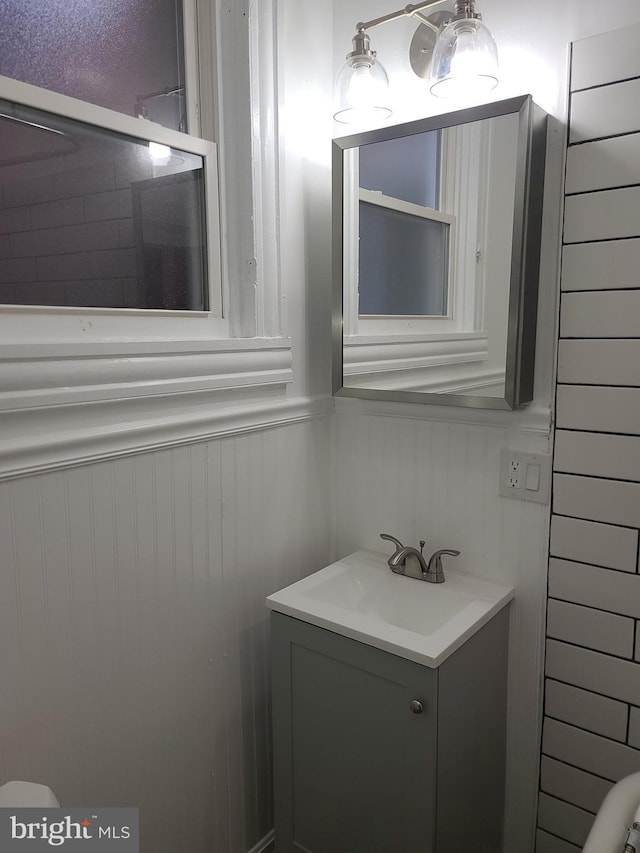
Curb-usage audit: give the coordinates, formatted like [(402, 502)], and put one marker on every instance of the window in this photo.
[(107, 212), (97, 218), (186, 340), (108, 204)]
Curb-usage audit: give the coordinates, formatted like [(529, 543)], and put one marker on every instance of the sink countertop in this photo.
[(361, 598)]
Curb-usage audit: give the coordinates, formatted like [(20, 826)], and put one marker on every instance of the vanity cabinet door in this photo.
[(354, 732)]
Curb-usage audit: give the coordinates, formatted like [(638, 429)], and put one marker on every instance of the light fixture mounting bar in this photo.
[(408, 12)]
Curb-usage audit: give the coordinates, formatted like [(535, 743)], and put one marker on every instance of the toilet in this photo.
[(27, 794), (616, 814)]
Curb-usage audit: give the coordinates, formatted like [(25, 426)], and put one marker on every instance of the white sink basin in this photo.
[(360, 597)]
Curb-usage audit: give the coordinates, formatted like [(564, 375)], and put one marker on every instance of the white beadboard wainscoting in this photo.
[(591, 737), (133, 632), (425, 479)]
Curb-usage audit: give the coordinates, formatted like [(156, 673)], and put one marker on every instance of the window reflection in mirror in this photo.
[(98, 219), (403, 250)]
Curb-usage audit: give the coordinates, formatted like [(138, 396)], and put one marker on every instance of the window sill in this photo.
[(71, 404)]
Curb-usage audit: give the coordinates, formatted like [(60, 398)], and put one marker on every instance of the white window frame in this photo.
[(168, 377), (34, 324)]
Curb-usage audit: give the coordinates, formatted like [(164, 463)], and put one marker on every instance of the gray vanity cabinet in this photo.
[(374, 753)]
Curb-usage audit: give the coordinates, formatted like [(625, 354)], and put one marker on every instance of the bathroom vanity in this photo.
[(389, 707)]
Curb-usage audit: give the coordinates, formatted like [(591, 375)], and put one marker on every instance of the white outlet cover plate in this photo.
[(543, 460)]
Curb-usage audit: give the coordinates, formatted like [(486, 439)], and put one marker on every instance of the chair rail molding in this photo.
[(50, 437), (63, 406)]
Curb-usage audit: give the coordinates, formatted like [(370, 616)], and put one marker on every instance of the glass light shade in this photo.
[(465, 60), (361, 92)]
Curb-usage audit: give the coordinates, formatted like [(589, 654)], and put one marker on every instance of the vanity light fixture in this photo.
[(455, 51)]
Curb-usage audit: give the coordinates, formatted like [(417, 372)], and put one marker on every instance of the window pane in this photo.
[(406, 168), (113, 53), (90, 217), (403, 263)]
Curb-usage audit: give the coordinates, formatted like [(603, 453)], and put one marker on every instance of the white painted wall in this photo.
[(419, 474), (305, 127)]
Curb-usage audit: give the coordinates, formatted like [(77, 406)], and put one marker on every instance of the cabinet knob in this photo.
[(416, 706)]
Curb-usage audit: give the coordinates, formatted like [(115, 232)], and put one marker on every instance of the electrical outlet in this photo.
[(525, 476)]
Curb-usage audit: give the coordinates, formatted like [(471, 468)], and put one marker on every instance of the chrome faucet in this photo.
[(410, 562), (398, 560)]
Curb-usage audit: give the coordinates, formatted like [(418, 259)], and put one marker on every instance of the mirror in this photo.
[(436, 236)]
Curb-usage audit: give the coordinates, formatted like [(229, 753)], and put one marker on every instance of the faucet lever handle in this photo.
[(435, 561), (435, 558), (397, 542)]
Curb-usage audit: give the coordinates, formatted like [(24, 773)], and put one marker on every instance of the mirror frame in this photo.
[(525, 251)]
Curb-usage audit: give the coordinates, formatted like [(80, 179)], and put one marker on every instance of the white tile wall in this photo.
[(599, 362), (68, 239), (591, 733), (616, 592), (601, 265), (598, 455), (605, 111), (588, 791), (18, 219), (596, 499), (59, 241), (590, 711), (563, 819), (53, 214), (601, 673), (80, 182), (589, 542), (600, 314), (62, 267), (605, 58), (594, 629), (110, 205), (600, 409), (18, 269), (547, 843), (634, 728), (606, 163), (605, 215), (586, 751)]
